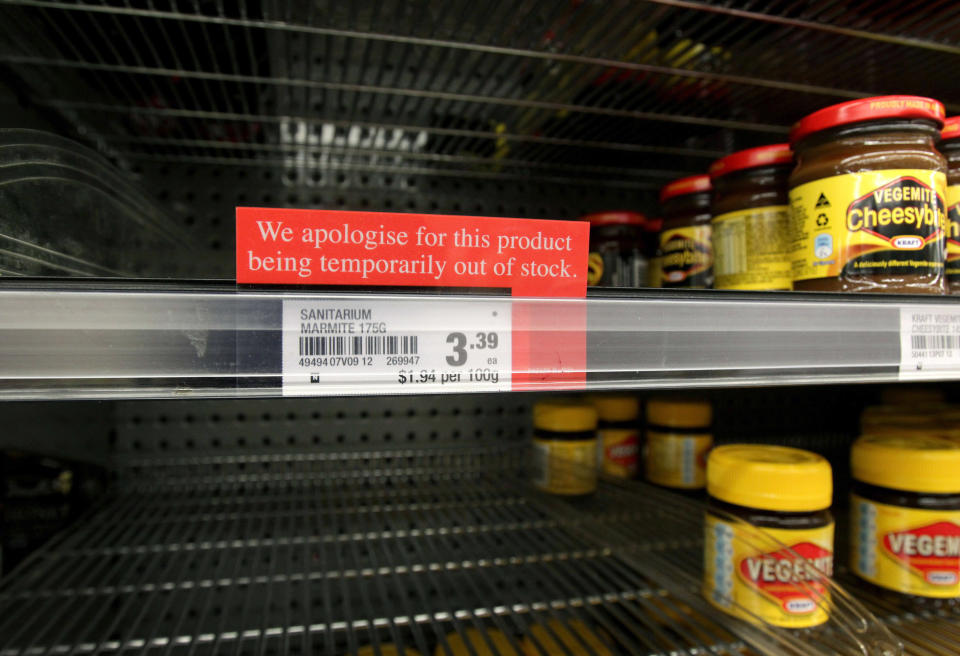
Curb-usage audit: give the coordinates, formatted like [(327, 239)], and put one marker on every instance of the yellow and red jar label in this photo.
[(952, 230), (618, 450), (566, 467), (872, 223), (686, 257), (774, 585), (751, 249), (677, 459), (909, 550)]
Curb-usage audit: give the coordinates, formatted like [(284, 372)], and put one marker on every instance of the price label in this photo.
[(930, 342), (395, 346)]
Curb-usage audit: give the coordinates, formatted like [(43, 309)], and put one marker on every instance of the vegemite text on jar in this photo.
[(751, 222), (678, 438), (905, 515), (565, 447), (867, 197), (616, 250), (686, 247), (785, 494), (618, 434), (950, 147)]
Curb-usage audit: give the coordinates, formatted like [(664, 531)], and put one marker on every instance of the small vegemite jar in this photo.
[(785, 494), (905, 516)]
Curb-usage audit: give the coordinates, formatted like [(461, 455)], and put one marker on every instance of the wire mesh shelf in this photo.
[(424, 550), (621, 93)]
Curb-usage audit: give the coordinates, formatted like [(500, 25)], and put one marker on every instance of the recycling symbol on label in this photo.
[(822, 220)]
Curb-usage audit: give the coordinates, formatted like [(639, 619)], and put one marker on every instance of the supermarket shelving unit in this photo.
[(150, 340), (319, 526)]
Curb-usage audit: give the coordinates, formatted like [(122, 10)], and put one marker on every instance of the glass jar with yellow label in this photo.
[(905, 516), (686, 248), (751, 222), (950, 147), (867, 197), (565, 447), (678, 438), (618, 434), (784, 494)]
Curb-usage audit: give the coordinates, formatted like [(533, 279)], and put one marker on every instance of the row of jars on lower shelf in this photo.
[(904, 520)]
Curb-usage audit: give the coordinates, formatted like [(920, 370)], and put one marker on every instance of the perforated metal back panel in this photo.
[(206, 197), (248, 430)]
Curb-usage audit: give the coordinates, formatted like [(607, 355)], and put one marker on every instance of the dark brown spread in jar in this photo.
[(616, 249), (686, 248), (867, 197), (950, 147), (751, 223)]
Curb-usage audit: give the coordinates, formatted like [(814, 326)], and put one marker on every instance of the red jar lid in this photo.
[(615, 218), (692, 185), (951, 129), (752, 158), (867, 109)]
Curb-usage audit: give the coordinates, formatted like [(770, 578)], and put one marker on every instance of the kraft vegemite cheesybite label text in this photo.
[(875, 223), (952, 230), (687, 257), (618, 450), (565, 466), (751, 249), (778, 586), (908, 550)]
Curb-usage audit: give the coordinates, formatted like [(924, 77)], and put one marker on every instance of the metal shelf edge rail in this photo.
[(159, 340)]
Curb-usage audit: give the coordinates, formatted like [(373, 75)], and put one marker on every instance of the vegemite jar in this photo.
[(616, 249), (905, 516), (867, 197), (785, 494), (565, 447), (751, 221), (618, 434), (678, 438), (686, 248), (950, 147)]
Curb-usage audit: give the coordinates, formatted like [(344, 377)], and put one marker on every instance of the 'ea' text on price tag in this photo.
[(395, 346)]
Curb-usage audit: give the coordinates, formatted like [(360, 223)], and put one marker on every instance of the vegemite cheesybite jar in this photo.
[(686, 248), (751, 222), (785, 494), (618, 434), (678, 438), (867, 197), (616, 250), (950, 147), (565, 447), (905, 515)]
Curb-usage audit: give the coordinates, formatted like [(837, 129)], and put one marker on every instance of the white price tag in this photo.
[(930, 342), (395, 346)]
